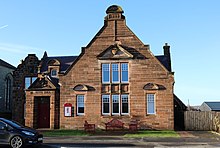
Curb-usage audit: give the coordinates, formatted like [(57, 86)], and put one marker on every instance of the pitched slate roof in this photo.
[(5, 64), (165, 61), (215, 106), (65, 62)]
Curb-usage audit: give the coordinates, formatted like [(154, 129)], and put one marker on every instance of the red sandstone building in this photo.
[(115, 76)]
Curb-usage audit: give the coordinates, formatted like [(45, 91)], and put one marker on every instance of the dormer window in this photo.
[(53, 73)]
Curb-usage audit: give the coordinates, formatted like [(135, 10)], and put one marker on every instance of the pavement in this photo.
[(188, 139)]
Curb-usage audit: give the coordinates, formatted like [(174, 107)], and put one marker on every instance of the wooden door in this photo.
[(44, 112)]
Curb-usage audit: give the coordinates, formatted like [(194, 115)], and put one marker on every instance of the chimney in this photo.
[(166, 50)]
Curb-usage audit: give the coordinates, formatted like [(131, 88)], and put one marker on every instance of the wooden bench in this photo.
[(114, 123), (89, 127), (133, 126)]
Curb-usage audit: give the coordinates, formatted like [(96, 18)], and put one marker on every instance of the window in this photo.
[(151, 104), (29, 81), (53, 73), (119, 104), (80, 104), (105, 73), (115, 73), (115, 104), (2, 125), (124, 104), (8, 93), (105, 104), (124, 72)]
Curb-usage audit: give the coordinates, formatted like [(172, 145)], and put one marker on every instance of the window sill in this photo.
[(115, 115), (150, 114)]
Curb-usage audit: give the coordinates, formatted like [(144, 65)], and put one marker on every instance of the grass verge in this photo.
[(156, 134), (138, 134)]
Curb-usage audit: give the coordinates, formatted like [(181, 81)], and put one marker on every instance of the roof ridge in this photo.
[(6, 64)]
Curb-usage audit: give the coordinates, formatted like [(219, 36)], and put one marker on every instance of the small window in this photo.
[(124, 72), (80, 104), (115, 104), (124, 104), (151, 104), (115, 73), (53, 73), (33, 79), (29, 81), (105, 73), (105, 104)]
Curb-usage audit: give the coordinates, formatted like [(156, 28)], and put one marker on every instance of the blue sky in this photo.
[(62, 27)]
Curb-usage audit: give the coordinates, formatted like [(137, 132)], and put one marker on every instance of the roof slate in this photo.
[(165, 61), (215, 106), (65, 62), (5, 64)]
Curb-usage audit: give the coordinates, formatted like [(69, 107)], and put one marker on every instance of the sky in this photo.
[(62, 27)]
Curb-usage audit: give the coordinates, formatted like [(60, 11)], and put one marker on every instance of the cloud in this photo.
[(2, 27), (18, 49)]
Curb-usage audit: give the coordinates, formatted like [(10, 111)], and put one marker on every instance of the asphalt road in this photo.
[(191, 140)]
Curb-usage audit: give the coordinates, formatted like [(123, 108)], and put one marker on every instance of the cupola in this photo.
[(114, 12)]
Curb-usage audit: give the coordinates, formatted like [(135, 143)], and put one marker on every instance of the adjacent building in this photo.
[(210, 106), (6, 86)]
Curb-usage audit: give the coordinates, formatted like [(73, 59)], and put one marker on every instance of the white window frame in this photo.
[(119, 106), (77, 100), (127, 102), (121, 72), (109, 66), (113, 71), (148, 104), (103, 96)]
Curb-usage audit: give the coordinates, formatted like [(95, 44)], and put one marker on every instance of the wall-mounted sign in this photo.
[(67, 109)]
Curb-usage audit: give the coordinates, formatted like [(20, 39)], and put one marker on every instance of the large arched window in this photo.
[(8, 92)]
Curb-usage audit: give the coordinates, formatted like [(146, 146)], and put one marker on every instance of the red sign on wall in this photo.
[(67, 109)]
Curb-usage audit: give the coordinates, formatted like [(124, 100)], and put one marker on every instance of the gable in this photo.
[(81, 87), (153, 86), (120, 52), (116, 41), (115, 52), (44, 83)]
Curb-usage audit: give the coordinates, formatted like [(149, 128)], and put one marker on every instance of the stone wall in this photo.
[(28, 67)]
